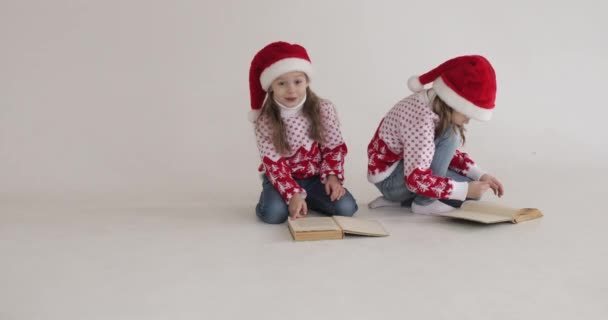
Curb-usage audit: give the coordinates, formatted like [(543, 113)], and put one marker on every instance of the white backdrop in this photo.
[(135, 112), (151, 97)]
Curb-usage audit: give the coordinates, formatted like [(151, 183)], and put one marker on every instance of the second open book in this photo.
[(488, 212)]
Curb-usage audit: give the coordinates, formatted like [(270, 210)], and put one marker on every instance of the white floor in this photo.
[(146, 258)]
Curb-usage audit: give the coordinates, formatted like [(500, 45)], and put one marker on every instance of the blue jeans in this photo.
[(273, 209), (393, 188)]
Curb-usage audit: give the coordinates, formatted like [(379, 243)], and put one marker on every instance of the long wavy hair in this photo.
[(311, 110), (445, 119)]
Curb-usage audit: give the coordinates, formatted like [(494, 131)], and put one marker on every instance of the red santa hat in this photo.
[(268, 64), (466, 83)]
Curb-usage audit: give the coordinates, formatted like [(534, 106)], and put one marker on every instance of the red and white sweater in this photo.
[(307, 158), (408, 132)]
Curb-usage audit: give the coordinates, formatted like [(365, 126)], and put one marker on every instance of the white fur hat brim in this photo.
[(459, 103), (283, 66)]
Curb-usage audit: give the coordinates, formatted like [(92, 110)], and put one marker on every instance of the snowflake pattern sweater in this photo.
[(408, 132), (307, 158)]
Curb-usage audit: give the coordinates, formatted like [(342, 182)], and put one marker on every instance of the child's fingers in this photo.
[(494, 188), (341, 194), (501, 189), (298, 211), (334, 194), (338, 193), (497, 188), (327, 189)]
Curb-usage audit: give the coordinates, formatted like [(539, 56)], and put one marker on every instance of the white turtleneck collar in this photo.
[(287, 111)]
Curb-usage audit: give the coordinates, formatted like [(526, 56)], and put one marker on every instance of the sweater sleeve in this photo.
[(418, 151), (333, 148), (463, 164), (275, 167)]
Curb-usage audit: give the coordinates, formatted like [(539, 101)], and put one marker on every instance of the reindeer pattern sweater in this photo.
[(307, 158), (407, 133)]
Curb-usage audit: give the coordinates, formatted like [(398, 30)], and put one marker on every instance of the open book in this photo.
[(323, 228), (487, 212)]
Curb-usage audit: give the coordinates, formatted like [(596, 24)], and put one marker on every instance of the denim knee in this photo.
[(347, 206), (398, 194), (274, 212)]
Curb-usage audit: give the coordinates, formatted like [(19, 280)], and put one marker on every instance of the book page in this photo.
[(489, 208), (488, 212), (484, 212), (313, 224), (483, 217), (361, 226)]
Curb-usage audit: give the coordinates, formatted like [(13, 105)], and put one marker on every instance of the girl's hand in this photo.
[(494, 184), (333, 188), (297, 207), (477, 188)]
